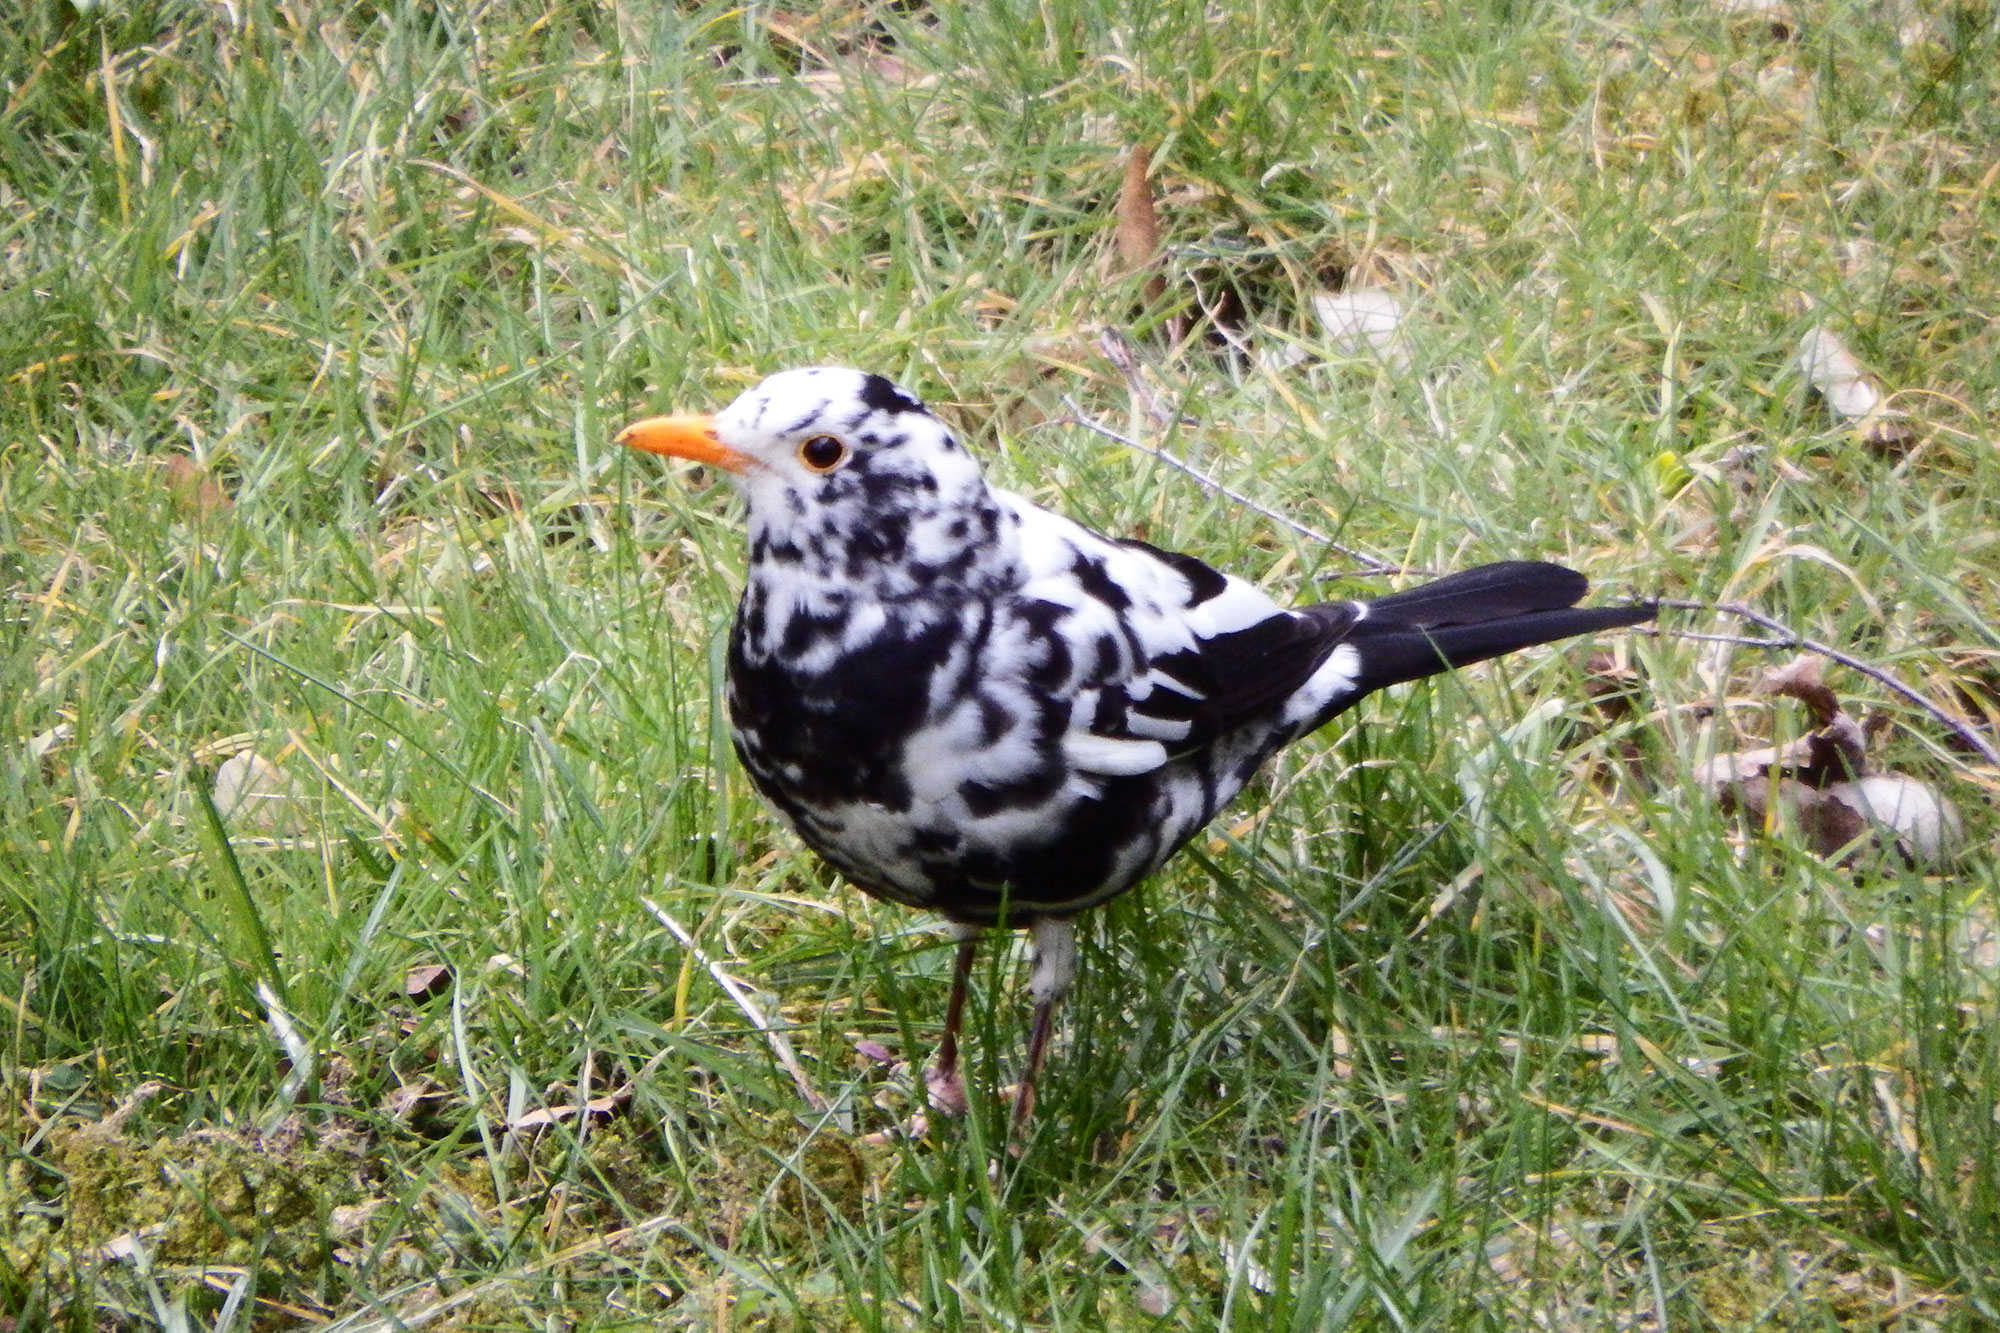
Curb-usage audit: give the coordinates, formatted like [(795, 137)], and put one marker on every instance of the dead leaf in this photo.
[(132, 1245), (1138, 220), (1365, 321), (196, 494), (1776, 14), (1612, 685), (1831, 826), (406, 1100), (422, 983), (1802, 679), (1825, 787), (1839, 749), (347, 1221), (1923, 825), (598, 1108), (250, 788), (1850, 390), (1138, 233)]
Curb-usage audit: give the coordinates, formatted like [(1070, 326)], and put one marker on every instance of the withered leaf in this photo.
[(196, 494), (1611, 685), (422, 983), (1839, 749), (1923, 826), (1823, 785), (1365, 321), (597, 1108), (1138, 219), (1829, 824), (1850, 390), (1801, 679), (252, 789), (407, 1099)]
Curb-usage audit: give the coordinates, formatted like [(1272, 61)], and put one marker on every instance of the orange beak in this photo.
[(684, 437)]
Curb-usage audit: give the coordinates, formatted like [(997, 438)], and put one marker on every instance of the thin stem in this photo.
[(1374, 566), (1791, 638)]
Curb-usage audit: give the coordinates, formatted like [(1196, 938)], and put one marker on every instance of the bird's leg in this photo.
[(1055, 969), (946, 1085)]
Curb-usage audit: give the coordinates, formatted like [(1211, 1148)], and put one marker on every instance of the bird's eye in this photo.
[(822, 453)]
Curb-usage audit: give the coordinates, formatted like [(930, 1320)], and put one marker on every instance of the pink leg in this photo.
[(1055, 969), (946, 1084)]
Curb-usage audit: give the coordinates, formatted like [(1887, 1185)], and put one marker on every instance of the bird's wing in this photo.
[(1162, 653)]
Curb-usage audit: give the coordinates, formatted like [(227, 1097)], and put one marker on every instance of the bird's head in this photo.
[(848, 476)]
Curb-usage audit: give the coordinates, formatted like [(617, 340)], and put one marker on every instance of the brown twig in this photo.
[(1373, 565), (1234, 339), (1117, 349), (737, 991), (1695, 636), (1791, 638), (1785, 636)]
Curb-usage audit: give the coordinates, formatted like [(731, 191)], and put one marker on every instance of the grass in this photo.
[(315, 326)]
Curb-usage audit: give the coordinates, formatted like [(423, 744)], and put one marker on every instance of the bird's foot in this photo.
[(945, 1095), (916, 1127), (946, 1087)]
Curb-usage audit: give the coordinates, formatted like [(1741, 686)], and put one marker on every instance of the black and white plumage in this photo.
[(969, 704)]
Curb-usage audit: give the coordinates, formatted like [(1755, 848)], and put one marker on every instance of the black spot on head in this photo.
[(881, 543), (882, 394), (883, 486), (809, 418)]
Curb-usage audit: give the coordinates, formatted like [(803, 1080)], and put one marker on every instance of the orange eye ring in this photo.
[(822, 453)]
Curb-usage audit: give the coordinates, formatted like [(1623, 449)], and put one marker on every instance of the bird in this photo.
[(969, 704)]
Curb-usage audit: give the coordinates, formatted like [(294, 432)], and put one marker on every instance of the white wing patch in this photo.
[(1334, 678), (1159, 728), (1112, 756), (1162, 618), (1239, 606)]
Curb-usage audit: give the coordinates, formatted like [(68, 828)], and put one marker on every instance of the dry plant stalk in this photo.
[(1139, 221)]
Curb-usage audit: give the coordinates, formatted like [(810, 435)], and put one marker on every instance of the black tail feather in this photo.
[(1475, 615), (1489, 592)]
